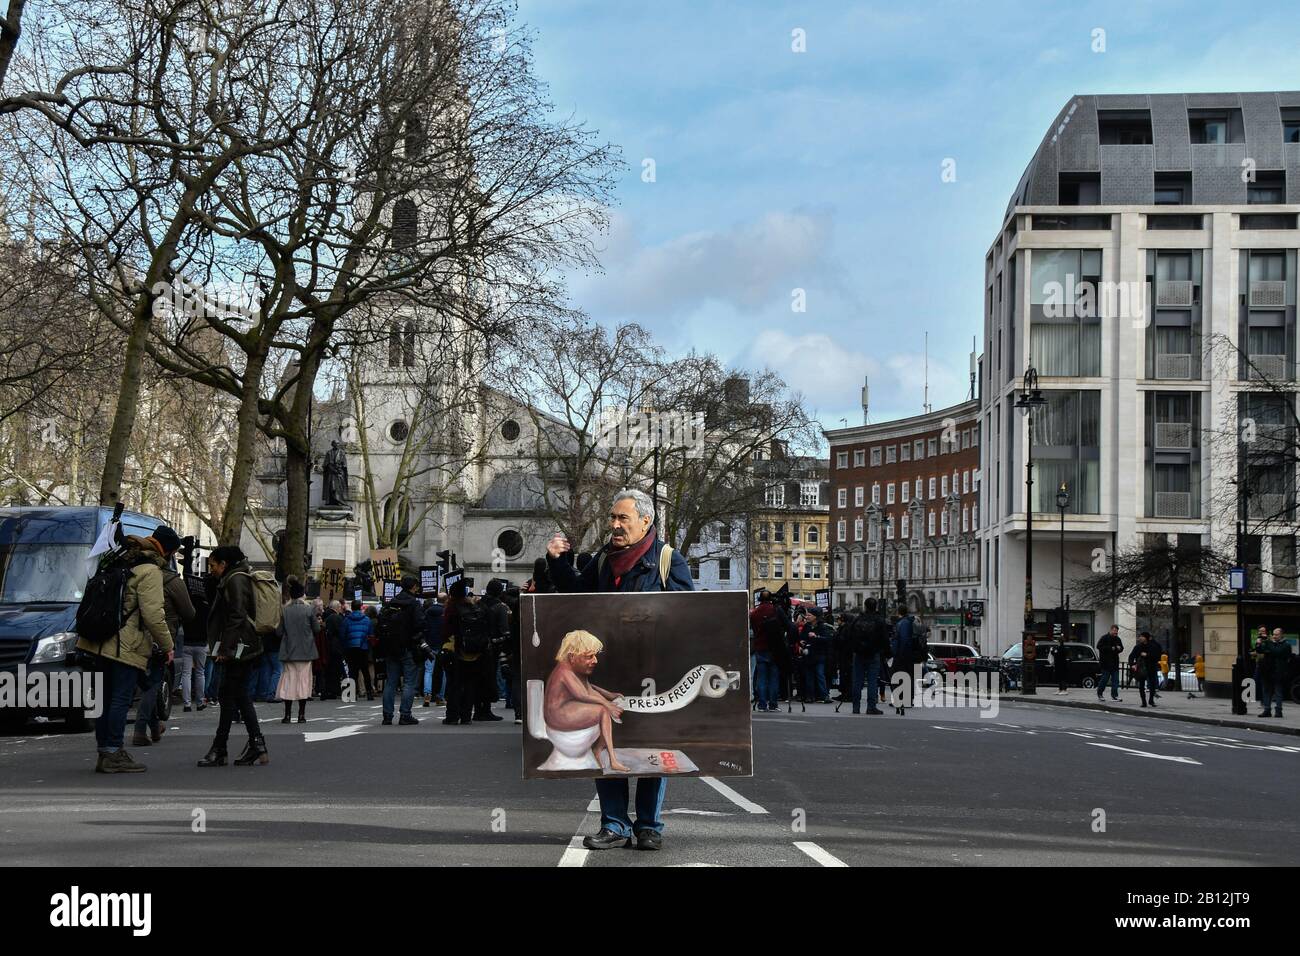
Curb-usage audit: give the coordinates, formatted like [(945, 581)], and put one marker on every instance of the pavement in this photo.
[(1036, 784), (1172, 705)]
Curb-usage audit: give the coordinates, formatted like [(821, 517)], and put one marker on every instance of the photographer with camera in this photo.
[(179, 612)]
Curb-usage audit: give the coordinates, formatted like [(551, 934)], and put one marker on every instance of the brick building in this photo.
[(905, 505)]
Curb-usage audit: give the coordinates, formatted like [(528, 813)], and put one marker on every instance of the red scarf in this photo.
[(622, 560)]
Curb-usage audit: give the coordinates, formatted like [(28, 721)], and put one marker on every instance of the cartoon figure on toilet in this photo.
[(575, 715)]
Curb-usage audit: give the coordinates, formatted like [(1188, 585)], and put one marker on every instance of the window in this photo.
[(840, 530), (965, 518), (1065, 321), (905, 452), (943, 487), (695, 568), (842, 498), (1291, 125), (398, 431), (857, 529), (975, 517), (875, 457), (856, 562), (932, 488), (965, 482), (889, 527), (795, 529), (891, 454), (762, 567), (929, 524), (778, 567), (1268, 188), (842, 459), (812, 568), (857, 496), (779, 531), (875, 493), (859, 458), (906, 523), (918, 492), (904, 486), (762, 531), (724, 569), (933, 448), (1066, 444), (889, 493), (813, 534), (918, 449), (774, 496), (965, 439), (406, 223), (510, 430), (809, 494), (724, 533), (943, 521), (974, 437)]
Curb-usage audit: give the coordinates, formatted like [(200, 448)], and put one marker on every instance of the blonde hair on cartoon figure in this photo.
[(577, 643)]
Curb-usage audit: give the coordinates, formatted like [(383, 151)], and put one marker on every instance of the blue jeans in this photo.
[(814, 678), (613, 796), (767, 680), (265, 677), (120, 683), (1110, 676), (1272, 693), (144, 714), (865, 666), (406, 667)]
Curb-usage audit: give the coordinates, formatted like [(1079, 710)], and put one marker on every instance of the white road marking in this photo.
[(749, 806), (818, 854), (336, 734), (594, 806), (1143, 753), (575, 854), (700, 813)]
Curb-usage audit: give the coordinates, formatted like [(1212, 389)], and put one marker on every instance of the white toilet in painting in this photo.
[(571, 749)]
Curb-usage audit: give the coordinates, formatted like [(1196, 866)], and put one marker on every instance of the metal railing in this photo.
[(1175, 293), (1268, 294), (1271, 367), (1173, 366), (1173, 434), (1173, 504)]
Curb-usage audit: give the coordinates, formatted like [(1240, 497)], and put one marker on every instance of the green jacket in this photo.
[(144, 593)]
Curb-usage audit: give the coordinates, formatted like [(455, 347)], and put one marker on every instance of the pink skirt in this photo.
[(295, 681)]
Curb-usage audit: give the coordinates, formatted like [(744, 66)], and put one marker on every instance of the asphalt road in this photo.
[(936, 787)]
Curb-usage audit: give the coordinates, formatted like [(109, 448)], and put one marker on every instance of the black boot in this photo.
[(254, 752), (216, 755)]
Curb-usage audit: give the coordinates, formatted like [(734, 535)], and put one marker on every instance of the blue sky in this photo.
[(821, 170)]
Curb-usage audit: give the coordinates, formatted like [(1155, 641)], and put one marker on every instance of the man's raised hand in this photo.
[(558, 545)]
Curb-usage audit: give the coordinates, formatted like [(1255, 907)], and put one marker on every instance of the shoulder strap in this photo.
[(665, 562), (600, 565)]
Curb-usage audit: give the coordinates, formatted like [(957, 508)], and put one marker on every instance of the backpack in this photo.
[(267, 609), (862, 636), (102, 612), (475, 632), (665, 563), (388, 629)]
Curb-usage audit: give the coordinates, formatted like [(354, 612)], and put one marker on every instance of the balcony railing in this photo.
[(1268, 295), (1284, 578), (1270, 367), (1174, 366), (1271, 437), (1175, 293), (1173, 504), (1173, 434)]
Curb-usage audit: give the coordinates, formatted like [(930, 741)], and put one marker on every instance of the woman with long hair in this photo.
[(297, 651)]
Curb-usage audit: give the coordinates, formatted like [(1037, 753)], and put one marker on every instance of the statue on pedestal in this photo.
[(335, 474)]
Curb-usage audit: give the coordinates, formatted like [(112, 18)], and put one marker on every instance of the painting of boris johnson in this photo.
[(636, 684)]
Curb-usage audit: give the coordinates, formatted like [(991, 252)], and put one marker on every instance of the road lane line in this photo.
[(575, 854), (818, 854), (312, 737), (594, 806), (749, 806), (1143, 753)]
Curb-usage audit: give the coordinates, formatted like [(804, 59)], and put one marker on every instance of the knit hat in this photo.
[(166, 537)]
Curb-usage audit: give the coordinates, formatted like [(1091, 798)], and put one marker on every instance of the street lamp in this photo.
[(1062, 502), (1030, 397)]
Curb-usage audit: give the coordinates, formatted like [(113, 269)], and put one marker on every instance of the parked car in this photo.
[(1085, 666), (43, 553), (954, 657)]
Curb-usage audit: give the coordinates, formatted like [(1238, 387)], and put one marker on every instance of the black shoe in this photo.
[(488, 715), (857, 711), (187, 708), (450, 721), (872, 710), (1265, 714), (215, 757), (649, 840), (466, 720), (254, 752), (606, 839), (387, 721), (406, 720)]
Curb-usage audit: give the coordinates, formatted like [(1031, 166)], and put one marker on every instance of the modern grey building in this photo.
[(1146, 269)]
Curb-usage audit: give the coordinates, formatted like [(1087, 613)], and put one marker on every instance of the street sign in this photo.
[(1237, 579), (974, 612)]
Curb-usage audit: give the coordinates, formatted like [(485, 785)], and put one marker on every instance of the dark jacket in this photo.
[(870, 635), (230, 622), (433, 618), (1108, 649), (178, 609), (598, 575), (408, 624), (498, 616), (1146, 657), (904, 647), (1275, 663)]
